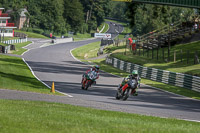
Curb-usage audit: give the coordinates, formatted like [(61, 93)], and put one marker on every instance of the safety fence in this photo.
[(15, 41), (167, 77), (6, 49)]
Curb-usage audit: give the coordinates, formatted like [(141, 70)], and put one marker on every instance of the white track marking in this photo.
[(42, 81)]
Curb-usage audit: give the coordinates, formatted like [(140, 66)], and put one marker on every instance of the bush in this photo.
[(29, 30), (39, 31)]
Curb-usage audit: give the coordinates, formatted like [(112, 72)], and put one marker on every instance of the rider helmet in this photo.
[(96, 67), (134, 73)]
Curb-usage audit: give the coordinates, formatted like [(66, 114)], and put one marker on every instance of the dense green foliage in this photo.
[(60, 16), (118, 11), (145, 18)]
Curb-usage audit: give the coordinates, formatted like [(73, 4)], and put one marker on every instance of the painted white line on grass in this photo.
[(178, 119), (41, 80), (116, 31), (108, 27), (25, 52), (102, 28), (28, 45), (190, 120), (76, 58)]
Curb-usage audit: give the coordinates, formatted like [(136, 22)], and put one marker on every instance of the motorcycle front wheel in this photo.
[(117, 96), (88, 84), (126, 94)]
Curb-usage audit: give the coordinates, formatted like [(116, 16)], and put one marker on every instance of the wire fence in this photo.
[(166, 55)]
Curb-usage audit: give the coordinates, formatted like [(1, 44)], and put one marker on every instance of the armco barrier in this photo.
[(167, 77)]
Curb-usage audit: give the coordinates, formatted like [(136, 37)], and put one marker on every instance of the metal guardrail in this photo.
[(167, 77)]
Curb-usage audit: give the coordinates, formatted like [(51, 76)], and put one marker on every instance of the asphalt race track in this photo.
[(55, 63)]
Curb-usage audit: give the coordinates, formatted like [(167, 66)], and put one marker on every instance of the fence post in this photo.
[(188, 53), (125, 41), (181, 55), (163, 53), (139, 51), (158, 46), (143, 51), (147, 47), (196, 58), (174, 55)]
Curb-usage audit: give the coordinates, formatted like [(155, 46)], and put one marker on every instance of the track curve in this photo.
[(55, 63)]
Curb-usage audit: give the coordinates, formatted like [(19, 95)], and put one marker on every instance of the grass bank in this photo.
[(15, 75), (9, 38), (19, 48), (80, 37), (29, 116), (106, 27), (32, 35), (87, 51), (147, 61)]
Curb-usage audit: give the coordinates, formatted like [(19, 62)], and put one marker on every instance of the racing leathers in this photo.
[(124, 84), (90, 70)]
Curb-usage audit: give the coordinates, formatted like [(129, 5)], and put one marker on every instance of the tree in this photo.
[(145, 18), (73, 14), (95, 12)]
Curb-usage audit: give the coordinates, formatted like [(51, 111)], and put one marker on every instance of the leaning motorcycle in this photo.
[(132, 84), (88, 79)]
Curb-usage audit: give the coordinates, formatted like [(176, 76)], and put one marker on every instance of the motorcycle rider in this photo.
[(134, 75), (95, 69)]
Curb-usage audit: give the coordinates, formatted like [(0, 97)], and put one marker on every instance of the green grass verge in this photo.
[(15, 75), (9, 38), (18, 46), (178, 66), (105, 28), (3, 44), (80, 37), (30, 116), (87, 51), (32, 35)]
